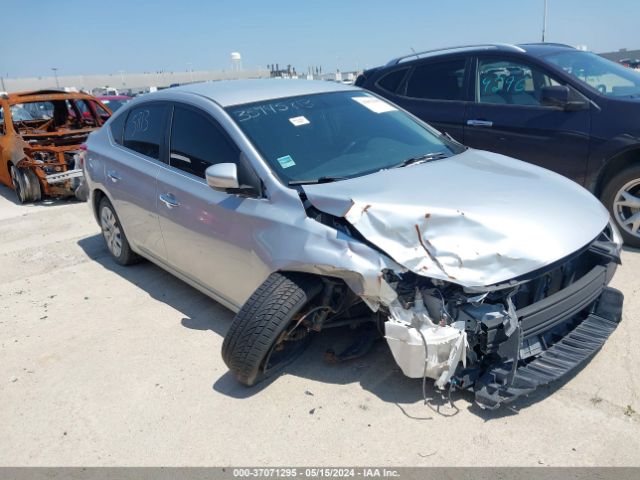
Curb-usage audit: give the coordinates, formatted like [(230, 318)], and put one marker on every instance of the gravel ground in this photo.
[(104, 365)]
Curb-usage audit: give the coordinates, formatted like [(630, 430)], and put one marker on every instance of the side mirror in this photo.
[(222, 176), (555, 96), (560, 96)]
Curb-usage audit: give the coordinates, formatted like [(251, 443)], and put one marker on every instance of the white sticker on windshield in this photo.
[(301, 120), (375, 104)]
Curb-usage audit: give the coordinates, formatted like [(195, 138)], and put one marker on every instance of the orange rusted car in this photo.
[(41, 134)]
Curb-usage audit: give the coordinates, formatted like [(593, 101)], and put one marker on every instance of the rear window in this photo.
[(438, 81), (391, 81), (144, 129)]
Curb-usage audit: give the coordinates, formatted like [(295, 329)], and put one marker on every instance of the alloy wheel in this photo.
[(111, 231), (626, 207)]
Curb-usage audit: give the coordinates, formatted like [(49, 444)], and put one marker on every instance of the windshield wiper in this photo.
[(426, 157), (316, 180)]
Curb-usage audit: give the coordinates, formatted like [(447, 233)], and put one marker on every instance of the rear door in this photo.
[(434, 90), (507, 117), (130, 172)]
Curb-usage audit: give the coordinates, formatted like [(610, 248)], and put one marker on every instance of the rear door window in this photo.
[(438, 81), (198, 142), (144, 129)]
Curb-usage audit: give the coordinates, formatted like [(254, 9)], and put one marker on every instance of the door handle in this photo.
[(169, 200), (480, 123), (113, 175)]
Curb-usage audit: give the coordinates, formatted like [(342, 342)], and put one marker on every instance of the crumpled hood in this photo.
[(475, 219)]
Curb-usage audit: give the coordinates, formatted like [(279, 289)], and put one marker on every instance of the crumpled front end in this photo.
[(58, 169), (510, 339)]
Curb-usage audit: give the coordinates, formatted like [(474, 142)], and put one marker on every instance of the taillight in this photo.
[(83, 147)]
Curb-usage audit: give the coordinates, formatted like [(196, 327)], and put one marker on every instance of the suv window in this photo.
[(391, 81), (509, 82), (1, 120), (438, 81), (197, 142), (144, 129)]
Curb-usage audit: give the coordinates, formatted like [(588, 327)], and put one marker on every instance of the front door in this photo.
[(208, 239), (507, 117)]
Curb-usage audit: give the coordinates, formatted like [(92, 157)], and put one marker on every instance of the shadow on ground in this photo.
[(375, 371)]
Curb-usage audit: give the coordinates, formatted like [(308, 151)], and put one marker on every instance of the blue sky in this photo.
[(89, 36)]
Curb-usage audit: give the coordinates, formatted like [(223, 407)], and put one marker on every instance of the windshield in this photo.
[(334, 135), (610, 78)]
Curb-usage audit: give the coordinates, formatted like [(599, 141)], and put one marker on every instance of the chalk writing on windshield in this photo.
[(273, 108)]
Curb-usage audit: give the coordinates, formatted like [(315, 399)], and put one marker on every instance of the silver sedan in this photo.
[(305, 205)]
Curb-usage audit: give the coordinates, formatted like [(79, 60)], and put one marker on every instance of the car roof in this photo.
[(533, 48), (44, 95), (540, 49), (236, 92)]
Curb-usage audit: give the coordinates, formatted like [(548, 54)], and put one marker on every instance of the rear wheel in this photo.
[(267, 334), (114, 236), (622, 197)]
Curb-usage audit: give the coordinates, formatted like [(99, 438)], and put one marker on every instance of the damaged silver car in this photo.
[(306, 205)]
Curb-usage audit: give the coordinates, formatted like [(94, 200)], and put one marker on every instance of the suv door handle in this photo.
[(169, 200), (114, 176), (480, 123)]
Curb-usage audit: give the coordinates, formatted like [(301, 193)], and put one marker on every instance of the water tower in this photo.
[(236, 61)]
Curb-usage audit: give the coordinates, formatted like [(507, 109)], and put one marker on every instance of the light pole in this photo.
[(121, 72), (544, 21), (55, 74)]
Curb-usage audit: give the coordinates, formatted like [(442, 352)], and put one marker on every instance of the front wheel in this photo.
[(266, 334), (25, 184), (622, 197)]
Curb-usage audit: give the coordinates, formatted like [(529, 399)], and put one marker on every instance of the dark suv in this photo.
[(564, 109)]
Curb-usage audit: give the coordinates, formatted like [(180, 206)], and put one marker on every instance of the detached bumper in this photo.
[(583, 330), (56, 178)]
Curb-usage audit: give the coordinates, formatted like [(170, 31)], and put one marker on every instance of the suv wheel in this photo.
[(114, 236), (622, 197), (266, 336)]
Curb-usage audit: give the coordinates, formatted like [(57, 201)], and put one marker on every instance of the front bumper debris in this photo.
[(503, 384)]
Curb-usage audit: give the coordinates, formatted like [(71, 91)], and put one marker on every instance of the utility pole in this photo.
[(55, 74), (544, 21)]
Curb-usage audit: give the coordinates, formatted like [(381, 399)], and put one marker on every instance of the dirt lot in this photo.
[(105, 365)]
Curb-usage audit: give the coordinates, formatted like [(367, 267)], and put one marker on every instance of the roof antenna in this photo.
[(412, 49)]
